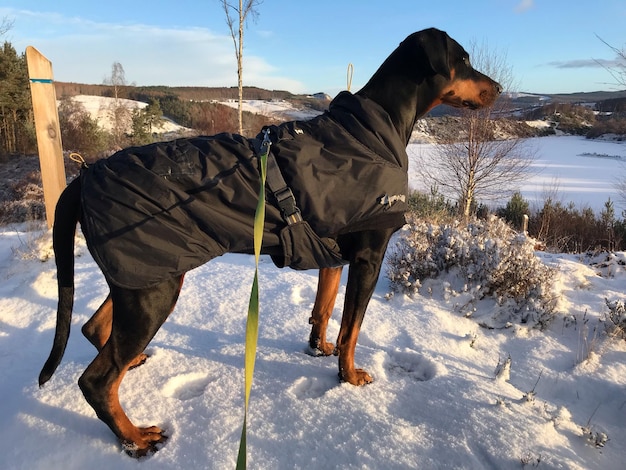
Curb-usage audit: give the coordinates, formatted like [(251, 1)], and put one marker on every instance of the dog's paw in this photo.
[(356, 377), (326, 349), (146, 444)]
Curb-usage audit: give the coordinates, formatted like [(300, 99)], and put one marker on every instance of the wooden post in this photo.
[(48, 130)]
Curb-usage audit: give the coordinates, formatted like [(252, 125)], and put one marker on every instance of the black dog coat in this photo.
[(157, 211)]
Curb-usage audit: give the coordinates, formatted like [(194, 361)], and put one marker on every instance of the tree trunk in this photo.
[(14, 131), (240, 67), (466, 202)]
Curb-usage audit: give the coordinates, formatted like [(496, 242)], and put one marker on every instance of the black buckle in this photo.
[(287, 205)]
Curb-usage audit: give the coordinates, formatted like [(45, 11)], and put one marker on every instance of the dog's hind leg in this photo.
[(327, 288), (98, 329), (136, 317)]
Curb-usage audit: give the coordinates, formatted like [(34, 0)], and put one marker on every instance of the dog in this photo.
[(427, 69)]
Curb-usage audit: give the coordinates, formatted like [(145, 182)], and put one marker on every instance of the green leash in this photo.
[(252, 324)]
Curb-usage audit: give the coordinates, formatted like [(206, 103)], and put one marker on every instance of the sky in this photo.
[(551, 46)]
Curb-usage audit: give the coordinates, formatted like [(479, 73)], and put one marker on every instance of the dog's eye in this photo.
[(467, 61)]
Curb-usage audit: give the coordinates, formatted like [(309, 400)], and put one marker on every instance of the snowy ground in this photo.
[(435, 402)]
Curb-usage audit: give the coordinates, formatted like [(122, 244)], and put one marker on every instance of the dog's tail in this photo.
[(63, 233)]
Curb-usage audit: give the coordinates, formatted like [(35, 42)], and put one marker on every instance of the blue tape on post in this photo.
[(41, 80)]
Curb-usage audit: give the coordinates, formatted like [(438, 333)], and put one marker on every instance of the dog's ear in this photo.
[(436, 47)]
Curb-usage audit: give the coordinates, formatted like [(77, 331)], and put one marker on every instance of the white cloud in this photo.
[(524, 5), (588, 63), (83, 51)]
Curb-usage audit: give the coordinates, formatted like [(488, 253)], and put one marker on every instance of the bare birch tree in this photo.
[(6, 25), (482, 165), (236, 26), (119, 113), (617, 69), (618, 72)]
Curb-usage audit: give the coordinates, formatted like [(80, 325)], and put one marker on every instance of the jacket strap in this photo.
[(276, 183)]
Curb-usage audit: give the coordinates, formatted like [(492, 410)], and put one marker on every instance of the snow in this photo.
[(539, 124), (567, 168), (100, 108), (274, 108), (435, 403)]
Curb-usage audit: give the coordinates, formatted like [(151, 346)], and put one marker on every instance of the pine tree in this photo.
[(145, 122), (17, 134)]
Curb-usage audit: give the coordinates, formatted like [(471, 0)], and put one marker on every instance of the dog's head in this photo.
[(459, 84)]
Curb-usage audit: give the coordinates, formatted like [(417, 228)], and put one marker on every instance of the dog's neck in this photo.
[(403, 99), (406, 90)]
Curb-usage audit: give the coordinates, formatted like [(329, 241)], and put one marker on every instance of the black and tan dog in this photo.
[(149, 214)]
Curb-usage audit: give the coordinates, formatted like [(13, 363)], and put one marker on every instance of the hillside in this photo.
[(318, 101)]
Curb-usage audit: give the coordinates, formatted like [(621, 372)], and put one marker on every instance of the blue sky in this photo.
[(305, 46)]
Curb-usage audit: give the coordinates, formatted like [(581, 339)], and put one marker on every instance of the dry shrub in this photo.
[(21, 195), (616, 323), (568, 229)]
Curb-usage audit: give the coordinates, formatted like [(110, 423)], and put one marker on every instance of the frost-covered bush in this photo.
[(484, 259), (617, 317)]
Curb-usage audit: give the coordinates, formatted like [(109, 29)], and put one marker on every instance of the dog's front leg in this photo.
[(327, 288), (368, 250)]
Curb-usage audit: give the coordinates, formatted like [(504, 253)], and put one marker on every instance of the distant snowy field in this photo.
[(582, 171), (567, 168), (99, 107), (274, 107), (435, 402)]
